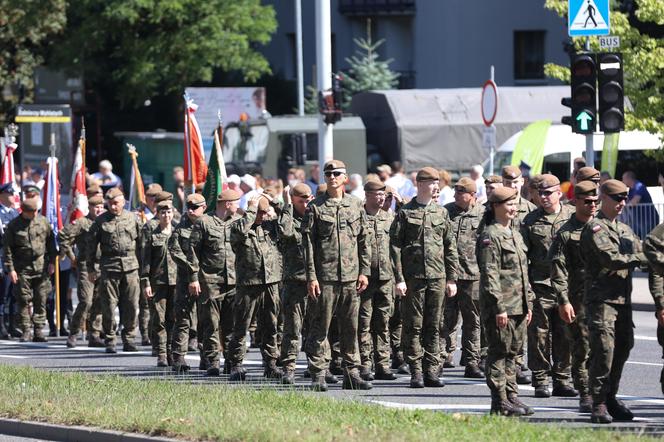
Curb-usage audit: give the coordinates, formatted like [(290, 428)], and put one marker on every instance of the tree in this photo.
[(643, 58), (142, 48), (27, 27)]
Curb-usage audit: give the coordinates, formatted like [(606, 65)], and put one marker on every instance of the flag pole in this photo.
[(57, 257), (189, 184)]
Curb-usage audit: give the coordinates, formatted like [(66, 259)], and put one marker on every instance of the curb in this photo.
[(41, 430)]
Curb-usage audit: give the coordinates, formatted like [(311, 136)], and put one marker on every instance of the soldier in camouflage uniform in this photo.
[(212, 278), (294, 295), (258, 260), (465, 217), (653, 247), (77, 234), (610, 252), (29, 246), (158, 278), (547, 334), (117, 233), (506, 300), (422, 237), (377, 301), (337, 262), (567, 281), (185, 308)]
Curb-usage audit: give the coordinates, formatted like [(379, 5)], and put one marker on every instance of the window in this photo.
[(529, 55)]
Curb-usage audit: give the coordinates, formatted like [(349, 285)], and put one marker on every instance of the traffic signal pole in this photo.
[(590, 148), (324, 77)]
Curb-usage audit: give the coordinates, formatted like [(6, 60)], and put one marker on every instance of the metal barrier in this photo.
[(642, 218)]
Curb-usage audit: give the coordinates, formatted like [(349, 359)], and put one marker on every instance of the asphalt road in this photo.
[(640, 387)]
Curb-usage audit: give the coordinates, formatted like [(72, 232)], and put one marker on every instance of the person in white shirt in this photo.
[(476, 173), (400, 182), (446, 194), (356, 186)]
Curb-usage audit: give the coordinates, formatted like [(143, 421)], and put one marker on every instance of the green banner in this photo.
[(530, 146), (610, 153)]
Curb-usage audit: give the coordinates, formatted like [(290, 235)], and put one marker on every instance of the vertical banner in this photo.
[(610, 153), (530, 146)]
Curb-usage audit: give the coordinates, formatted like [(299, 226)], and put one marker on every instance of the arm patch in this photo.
[(597, 228)]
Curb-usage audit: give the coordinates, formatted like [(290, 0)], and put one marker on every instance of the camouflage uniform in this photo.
[(336, 253), (29, 247), (118, 238), (258, 260), (213, 265), (567, 281), (377, 301), (610, 251), (465, 225), (524, 207), (423, 238), (504, 288), (547, 333)]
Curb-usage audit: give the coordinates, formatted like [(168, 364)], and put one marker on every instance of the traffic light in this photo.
[(331, 100), (583, 101), (611, 92)]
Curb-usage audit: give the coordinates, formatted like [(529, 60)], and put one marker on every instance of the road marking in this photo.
[(644, 338), (462, 407), (13, 357), (651, 364), (650, 400)]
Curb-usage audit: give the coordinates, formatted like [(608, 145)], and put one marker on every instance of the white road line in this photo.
[(463, 407), (644, 338), (13, 357), (649, 400), (651, 364)]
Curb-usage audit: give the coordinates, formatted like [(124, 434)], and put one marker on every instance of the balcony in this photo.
[(376, 7)]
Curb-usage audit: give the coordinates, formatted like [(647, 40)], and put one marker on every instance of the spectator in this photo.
[(234, 182), (446, 194), (400, 182), (641, 215), (250, 186), (314, 178), (178, 178), (476, 173), (356, 186), (106, 176), (384, 172)]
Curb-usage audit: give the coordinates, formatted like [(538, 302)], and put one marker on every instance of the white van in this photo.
[(562, 146)]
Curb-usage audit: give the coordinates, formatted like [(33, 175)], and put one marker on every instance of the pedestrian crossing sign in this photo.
[(588, 17)]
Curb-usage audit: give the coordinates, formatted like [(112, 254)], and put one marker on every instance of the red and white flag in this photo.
[(8, 175), (195, 168), (79, 199)]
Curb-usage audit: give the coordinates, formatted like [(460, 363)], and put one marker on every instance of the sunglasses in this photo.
[(619, 198), (590, 202), (336, 174), (193, 206), (546, 192)]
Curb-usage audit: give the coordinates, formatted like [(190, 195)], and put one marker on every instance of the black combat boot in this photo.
[(585, 404), (449, 361), (272, 371), (503, 407), (416, 379), (431, 379), (384, 374), (110, 348), (289, 377), (365, 373), (514, 399), (353, 381), (472, 371), (129, 347), (25, 336), (600, 414), (564, 390), (162, 361), (192, 345), (522, 378), (238, 373), (482, 364), (542, 391), (213, 369), (330, 378), (618, 410), (179, 366), (318, 383), (71, 341), (96, 342), (39, 336), (335, 368)]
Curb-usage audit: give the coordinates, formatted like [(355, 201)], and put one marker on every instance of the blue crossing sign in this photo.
[(588, 17)]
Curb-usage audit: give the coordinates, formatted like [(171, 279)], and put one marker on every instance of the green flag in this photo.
[(216, 174), (530, 146), (610, 152)]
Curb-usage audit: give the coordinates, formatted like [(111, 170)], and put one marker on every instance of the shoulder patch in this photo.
[(486, 241), (597, 228)]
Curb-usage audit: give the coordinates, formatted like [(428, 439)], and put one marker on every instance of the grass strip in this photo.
[(219, 412)]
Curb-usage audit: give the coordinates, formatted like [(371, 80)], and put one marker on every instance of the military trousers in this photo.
[(580, 347), (84, 292), (264, 300), (122, 290), (376, 305), (611, 339), (467, 302), (144, 315), (185, 311), (395, 326), (294, 307), (340, 298), (162, 318), (503, 346), (421, 310), (216, 319), (31, 288), (94, 317), (449, 327), (548, 340)]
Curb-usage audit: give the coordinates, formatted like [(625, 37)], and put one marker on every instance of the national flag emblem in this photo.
[(597, 228)]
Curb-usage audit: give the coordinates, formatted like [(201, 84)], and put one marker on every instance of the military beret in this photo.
[(466, 184), (113, 193), (334, 165), (587, 174), (7, 188), (374, 186), (153, 190), (30, 204), (263, 204), (493, 179), (228, 195), (31, 188), (580, 160), (548, 181), (301, 190), (94, 190), (163, 196), (390, 190), (321, 189), (614, 187), (511, 172), (502, 194), (585, 188), (196, 199), (165, 204), (95, 200), (427, 174), (534, 181)]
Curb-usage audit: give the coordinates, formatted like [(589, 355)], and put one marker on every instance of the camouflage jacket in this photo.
[(653, 247), (77, 234), (465, 227), (524, 207), (29, 245), (290, 244), (158, 267), (610, 252), (212, 256), (537, 230), (334, 239), (378, 238), (504, 285), (180, 249), (257, 258), (422, 236), (567, 270), (118, 238)]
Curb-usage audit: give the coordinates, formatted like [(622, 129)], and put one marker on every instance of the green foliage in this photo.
[(26, 28), (643, 64), (140, 48)]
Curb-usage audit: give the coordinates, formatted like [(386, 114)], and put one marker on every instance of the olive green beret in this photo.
[(587, 174), (95, 200), (196, 199), (427, 174), (301, 190), (614, 187), (165, 204), (333, 165), (163, 196), (493, 179), (374, 186), (113, 193), (585, 188), (502, 194), (466, 184), (534, 181), (511, 172), (548, 181), (229, 195), (153, 189), (94, 190)]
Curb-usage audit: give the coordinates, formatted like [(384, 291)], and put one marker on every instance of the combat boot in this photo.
[(179, 364), (145, 341), (585, 404), (96, 342), (482, 364), (330, 378), (192, 345), (449, 361), (542, 391), (128, 347), (353, 381), (335, 368), (238, 374), (213, 369), (564, 390), (472, 371), (618, 410), (272, 371), (522, 378), (318, 383), (431, 379), (39, 336), (600, 415), (71, 341), (289, 377), (110, 348), (203, 364), (365, 373), (514, 399), (384, 374), (416, 379), (503, 407), (4, 334), (162, 361), (25, 336)]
